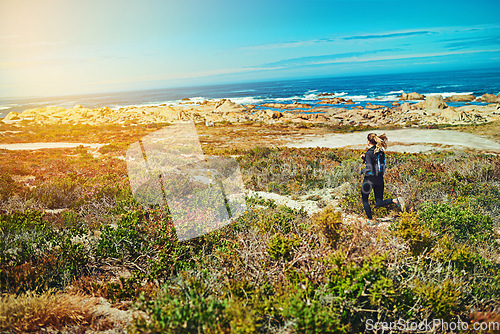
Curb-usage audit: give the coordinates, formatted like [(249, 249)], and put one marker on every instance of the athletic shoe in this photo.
[(401, 204)]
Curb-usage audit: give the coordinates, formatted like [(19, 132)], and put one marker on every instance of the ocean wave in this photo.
[(395, 92), (197, 99), (143, 105), (388, 98), (448, 94), (243, 91), (247, 100), (290, 98), (447, 86), (358, 97), (5, 108)]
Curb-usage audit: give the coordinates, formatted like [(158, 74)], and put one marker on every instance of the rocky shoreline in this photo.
[(330, 110)]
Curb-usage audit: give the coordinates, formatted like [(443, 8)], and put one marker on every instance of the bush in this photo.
[(419, 237), (7, 186), (191, 307), (329, 222), (461, 223), (281, 247), (440, 301), (36, 256)]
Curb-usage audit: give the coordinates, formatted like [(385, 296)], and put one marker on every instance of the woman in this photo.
[(374, 175)]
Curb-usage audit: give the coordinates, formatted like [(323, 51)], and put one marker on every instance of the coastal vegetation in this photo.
[(73, 240)]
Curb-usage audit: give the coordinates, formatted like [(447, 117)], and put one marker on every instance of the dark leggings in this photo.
[(377, 185)]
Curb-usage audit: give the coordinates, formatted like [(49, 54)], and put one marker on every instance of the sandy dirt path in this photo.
[(405, 140), (39, 146)]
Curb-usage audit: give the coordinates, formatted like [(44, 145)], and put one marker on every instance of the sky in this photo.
[(63, 47)]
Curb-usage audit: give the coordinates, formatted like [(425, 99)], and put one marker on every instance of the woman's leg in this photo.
[(366, 189), (378, 190)]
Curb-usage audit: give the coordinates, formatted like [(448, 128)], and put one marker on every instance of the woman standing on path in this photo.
[(374, 175)]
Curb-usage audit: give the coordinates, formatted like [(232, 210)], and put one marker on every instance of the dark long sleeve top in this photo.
[(370, 159)]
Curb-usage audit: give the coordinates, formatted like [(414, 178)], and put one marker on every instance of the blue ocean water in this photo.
[(379, 89)]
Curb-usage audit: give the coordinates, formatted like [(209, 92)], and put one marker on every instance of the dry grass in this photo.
[(30, 312)]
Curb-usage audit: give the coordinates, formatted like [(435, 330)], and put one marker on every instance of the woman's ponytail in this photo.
[(380, 142)]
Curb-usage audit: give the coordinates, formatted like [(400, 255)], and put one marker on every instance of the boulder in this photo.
[(490, 98), (374, 106), (273, 114), (318, 117), (12, 116), (461, 98), (434, 102), (335, 100), (405, 107), (226, 105), (411, 96), (452, 115)]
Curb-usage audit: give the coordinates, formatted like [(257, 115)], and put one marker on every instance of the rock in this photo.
[(434, 102), (490, 98), (461, 98), (411, 96), (226, 105), (374, 106), (335, 100), (452, 115), (405, 107), (12, 116), (318, 117), (395, 103), (335, 121), (349, 102), (273, 114)]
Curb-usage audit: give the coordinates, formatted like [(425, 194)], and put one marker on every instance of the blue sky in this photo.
[(55, 47)]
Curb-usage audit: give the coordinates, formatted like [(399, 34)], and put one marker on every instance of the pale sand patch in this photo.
[(405, 140), (39, 146)]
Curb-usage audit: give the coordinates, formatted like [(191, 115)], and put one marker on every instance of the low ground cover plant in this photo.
[(69, 222)]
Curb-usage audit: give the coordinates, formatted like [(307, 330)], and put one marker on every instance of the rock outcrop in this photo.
[(411, 96), (461, 98), (490, 98), (434, 102), (12, 116), (432, 110)]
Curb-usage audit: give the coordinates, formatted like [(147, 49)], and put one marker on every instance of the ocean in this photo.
[(375, 89)]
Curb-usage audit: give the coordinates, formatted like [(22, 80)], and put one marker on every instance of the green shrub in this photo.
[(414, 232), (37, 256), (361, 290), (281, 247), (191, 307), (128, 240), (310, 313), (463, 224), (329, 222), (461, 256), (440, 301)]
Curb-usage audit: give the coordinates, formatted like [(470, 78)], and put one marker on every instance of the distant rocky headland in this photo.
[(411, 109)]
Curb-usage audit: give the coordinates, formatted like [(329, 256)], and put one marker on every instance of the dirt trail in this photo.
[(314, 201), (39, 146), (406, 140)]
